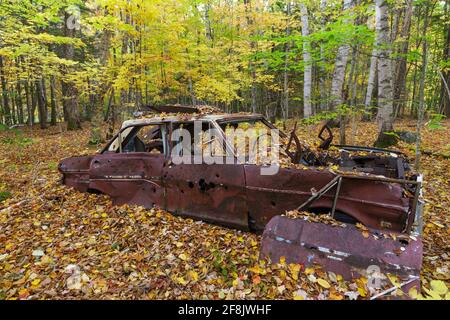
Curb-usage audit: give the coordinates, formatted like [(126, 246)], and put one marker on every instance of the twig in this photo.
[(393, 288)]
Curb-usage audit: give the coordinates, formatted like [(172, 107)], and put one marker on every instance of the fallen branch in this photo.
[(14, 205)]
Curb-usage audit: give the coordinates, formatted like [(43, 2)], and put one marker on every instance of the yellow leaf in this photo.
[(309, 271), (393, 280), (362, 292), (193, 275), (432, 295), (298, 297), (36, 282), (439, 287), (256, 269), (182, 256), (336, 296), (413, 293), (23, 291), (181, 281), (179, 244), (283, 260), (438, 224), (323, 283), (295, 269)]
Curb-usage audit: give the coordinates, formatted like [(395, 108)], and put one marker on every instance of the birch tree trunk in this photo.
[(322, 78), (307, 82), (42, 110), (385, 93), (339, 67), (370, 84), (286, 65)]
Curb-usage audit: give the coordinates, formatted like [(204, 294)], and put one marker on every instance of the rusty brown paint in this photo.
[(344, 251)]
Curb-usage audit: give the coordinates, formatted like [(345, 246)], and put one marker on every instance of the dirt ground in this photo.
[(59, 243)]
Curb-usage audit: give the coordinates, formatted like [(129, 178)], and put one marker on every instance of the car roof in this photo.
[(162, 118)]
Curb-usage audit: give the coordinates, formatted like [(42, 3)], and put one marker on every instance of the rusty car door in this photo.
[(210, 192), (129, 177), (213, 192)]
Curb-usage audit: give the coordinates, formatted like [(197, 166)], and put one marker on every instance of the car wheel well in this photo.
[(94, 191)]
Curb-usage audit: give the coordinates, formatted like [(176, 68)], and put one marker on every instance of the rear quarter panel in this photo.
[(379, 205)]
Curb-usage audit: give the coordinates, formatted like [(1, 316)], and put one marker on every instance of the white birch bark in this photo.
[(339, 67), (307, 81), (371, 81), (385, 74)]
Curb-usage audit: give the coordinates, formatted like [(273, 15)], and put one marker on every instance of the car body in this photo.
[(376, 191)]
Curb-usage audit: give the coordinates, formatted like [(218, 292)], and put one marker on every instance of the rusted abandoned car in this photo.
[(372, 186)]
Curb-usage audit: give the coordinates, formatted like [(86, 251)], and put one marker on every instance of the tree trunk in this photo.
[(6, 109), (401, 71), (29, 103), (339, 68), (307, 82), (53, 115), (40, 98), (445, 87), (323, 76), (423, 73), (285, 95), (33, 103), (13, 107), (69, 91), (19, 103), (252, 65), (370, 84), (101, 54), (385, 93)]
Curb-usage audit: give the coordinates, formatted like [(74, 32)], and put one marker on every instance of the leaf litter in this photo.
[(57, 243)]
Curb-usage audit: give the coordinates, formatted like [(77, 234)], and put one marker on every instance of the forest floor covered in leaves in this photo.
[(57, 243)]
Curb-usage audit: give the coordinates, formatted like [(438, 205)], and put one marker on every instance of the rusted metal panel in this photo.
[(344, 251), (210, 192), (377, 204), (133, 178), (75, 172)]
